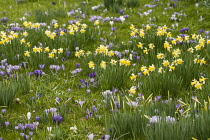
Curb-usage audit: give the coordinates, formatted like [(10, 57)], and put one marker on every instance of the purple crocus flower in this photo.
[(53, 3), (157, 98), (37, 118), (41, 66), (38, 72), (113, 29), (94, 109), (57, 118), (3, 111), (201, 31), (77, 65), (68, 53), (121, 12), (4, 19), (91, 75), (105, 137), (6, 123), (179, 106)]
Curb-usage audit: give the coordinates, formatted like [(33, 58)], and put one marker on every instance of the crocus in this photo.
[(90, 136), (29, 115)]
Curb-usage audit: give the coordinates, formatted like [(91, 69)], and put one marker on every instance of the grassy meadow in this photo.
[(104, 69)]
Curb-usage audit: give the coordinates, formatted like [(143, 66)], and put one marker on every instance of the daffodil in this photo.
[(151, 68), (140, 45), (97, 22), (27, 53), (202, 79), (91, 65), (113, 62), (151, 46), (60, 50), (160, 56), (51, 55), (190, 50), (198, 47), (103, 64), (133, 77), (165, 63), (132, 90)]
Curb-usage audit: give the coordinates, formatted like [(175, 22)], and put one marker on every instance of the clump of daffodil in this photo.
[(132, 90), (102, 50), (125, 62), (160, 56), (199, 61), (144, 70), (176, 53), (96, 22), (91, 65), (133, 77), (113, 62), (198, 83), (140, 45), (103, 65), (27, 53), (79, 53), (167, 46), (35, 49)]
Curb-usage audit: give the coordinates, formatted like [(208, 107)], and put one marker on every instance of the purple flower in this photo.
[(201, 30), (37, 118), (3, 111), (179, 106), (41, 66), (38, 72), (91, 75), (94, 109), (68, 53), (57, 118), (121, 12), (53, 3), (69, 90), (157, 98), (77, 65), (105, 137), (6, 123), (55, 67), (4, 19), (113, 29), (88, 91)]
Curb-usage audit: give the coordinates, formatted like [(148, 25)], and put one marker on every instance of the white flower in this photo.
[(91, 136), (49, 129), (111, 23), (29, 115), (122, 19), (74, 128)]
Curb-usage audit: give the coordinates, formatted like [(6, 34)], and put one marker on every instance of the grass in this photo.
[(122, 98)]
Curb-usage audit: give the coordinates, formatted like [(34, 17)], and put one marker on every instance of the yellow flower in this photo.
[(146, 51), (151, 46), (198, 86), (89, 52), (143, 68), (140, 45), (198, 47), (132, 90), (194, 82), (160, 56), (125, 62), (111, 53), (148, 27), (22, 41), (91, 65), (179, 61), (56, 25), (51, 55), (146, 72), (35, 49), (82, 31), (60, 50), (160, 70), (171, 68), (133, 77), (190, 50), (25, 34), (202, 61), (132, 27), (97, 22), (202, 79), (103, 64), (173, 41), (194, 36), (54, 51), (132, 34), (27, 53), (47, 49), (77, 23), (102, 49), (208, 42), (151, 68), (62, 33), (84, 26), (165, 63), (113, 62), (169, 34)]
